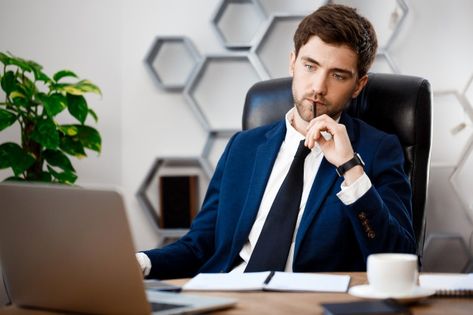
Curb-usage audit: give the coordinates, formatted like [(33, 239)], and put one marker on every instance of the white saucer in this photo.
[(367, 292)]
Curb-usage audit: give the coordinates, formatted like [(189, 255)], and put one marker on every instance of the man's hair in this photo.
[(340, 25)]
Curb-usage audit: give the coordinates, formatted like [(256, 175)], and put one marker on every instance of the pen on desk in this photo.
[(268, 278)]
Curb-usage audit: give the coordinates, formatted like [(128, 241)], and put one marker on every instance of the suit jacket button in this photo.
[(371, 234)]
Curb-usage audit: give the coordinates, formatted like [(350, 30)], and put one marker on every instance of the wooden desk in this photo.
[(293, 303)]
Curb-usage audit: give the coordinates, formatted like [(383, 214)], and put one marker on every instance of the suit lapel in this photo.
[(265, 156), (323, 182)]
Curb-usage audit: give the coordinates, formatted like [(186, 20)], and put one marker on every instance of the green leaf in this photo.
[(54, 103), (4, 59), (87, 136), (77, 106), (90, 138), (41, 76), (29, 86), (58, 159), (18, 98), (6, 119), (41, 177), (45, 133), (79, 88), (87, 86), (12, 155), (69, 130), (21, 63), (14, 179), (34, 65), (72, 89), (9, 82), (94, 115), (72, 146), (62, 74), (63, 177)]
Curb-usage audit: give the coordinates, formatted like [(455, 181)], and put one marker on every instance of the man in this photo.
[(340, 219)]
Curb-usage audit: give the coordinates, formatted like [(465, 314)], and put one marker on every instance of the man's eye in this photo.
[(339, 76), (309, 67)]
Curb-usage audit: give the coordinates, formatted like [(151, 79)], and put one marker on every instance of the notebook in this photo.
[(69, 249), (269, 281), (449, 284)]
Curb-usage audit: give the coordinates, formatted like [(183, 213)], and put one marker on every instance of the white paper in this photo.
[(227, 281), (285, 281), (452, 281), (281, 281)]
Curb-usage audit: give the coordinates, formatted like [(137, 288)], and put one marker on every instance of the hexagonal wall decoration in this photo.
[(172, 192), (237, 22), (469, 95), (291, 7), (386, 16), (217, 92), (276, 44), (383, 64), (462, 182), (216, 143), (452, 249), (172, 61), (444, 210), (452, 129)]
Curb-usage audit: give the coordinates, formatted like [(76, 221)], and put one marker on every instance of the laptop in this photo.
[(69, 249)]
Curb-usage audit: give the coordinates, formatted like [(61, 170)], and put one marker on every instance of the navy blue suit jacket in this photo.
[(331, 235)]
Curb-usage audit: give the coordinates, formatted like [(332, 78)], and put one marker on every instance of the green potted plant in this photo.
[(36, 102)]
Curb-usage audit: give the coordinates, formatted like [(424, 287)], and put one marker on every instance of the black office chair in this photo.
[(397, 104)]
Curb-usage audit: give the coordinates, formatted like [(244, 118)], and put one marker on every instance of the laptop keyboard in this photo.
[(164, 306)]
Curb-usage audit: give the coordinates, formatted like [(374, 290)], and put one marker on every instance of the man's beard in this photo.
[(304, 113)]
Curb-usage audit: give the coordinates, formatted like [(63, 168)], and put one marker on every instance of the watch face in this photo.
[(362, 163)]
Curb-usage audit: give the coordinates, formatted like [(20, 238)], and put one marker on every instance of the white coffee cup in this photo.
[(392, 274)]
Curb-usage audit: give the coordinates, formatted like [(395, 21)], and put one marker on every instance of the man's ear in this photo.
[(292, 62), (360, 84)]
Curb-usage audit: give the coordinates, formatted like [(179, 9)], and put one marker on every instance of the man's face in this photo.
[(324, 78)]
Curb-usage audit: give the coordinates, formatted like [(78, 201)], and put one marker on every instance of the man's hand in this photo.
[(144, 262), (332, 138), (334, 142)]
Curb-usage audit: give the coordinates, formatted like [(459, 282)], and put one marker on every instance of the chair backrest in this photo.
[(396, 104)]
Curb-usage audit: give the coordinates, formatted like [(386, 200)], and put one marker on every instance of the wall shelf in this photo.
[(218, 89), (452, 129), (453, 249), (149, 195), (172, 61), (383, 63), (275, 45), (237, 22), (215, 145)]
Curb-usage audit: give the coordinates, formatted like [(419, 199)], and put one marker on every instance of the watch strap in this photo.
[(345, 167)]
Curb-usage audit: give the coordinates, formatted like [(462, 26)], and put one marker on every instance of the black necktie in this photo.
[(274, 242)]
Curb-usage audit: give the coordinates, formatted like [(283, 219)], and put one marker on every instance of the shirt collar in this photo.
[(293, 137)]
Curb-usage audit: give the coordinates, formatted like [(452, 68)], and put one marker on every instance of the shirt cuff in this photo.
[(144, 262), (350, 194)]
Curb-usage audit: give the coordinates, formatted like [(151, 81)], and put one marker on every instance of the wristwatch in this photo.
[(356, 160)]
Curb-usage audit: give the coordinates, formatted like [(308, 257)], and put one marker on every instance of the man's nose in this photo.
[(319, 83)]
